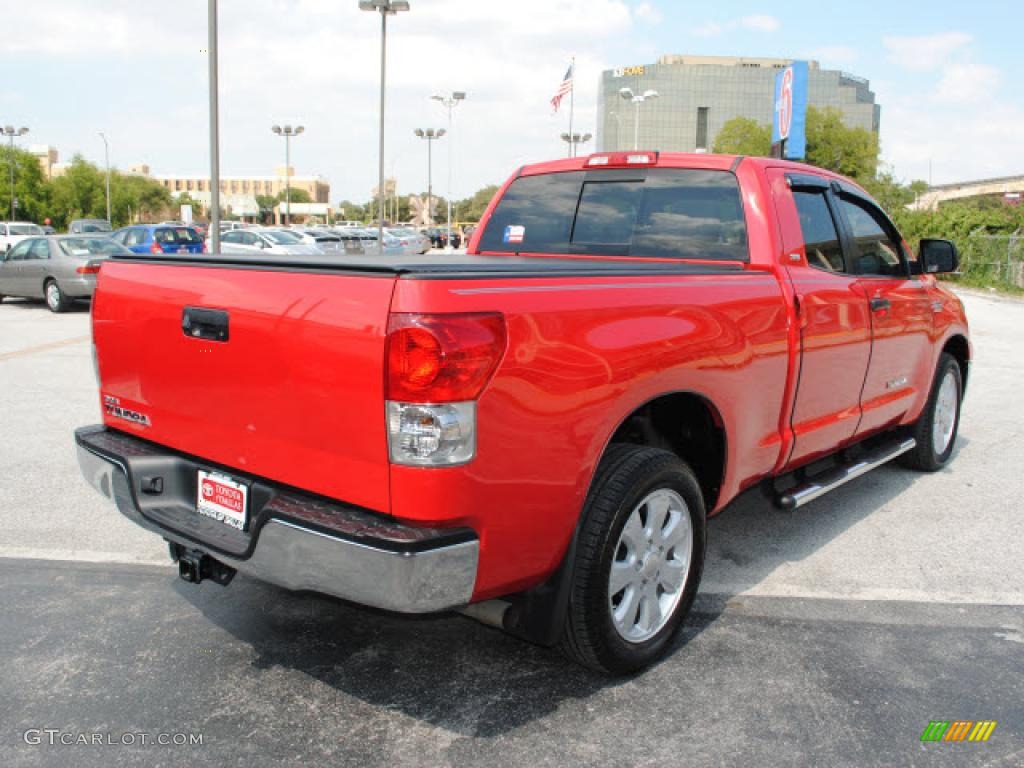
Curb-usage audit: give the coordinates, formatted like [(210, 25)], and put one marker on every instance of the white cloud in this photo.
[(761, 23), (316, 62), (648, 13), (925, 53), (952, 117), (967, 83), (708, 29)]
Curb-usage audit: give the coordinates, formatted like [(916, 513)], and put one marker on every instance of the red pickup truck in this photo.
[(534, 432)]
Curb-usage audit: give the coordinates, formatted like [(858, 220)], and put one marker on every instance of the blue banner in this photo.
[(789, 124)]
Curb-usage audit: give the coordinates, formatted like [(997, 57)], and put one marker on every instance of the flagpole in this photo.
[(572, 93)]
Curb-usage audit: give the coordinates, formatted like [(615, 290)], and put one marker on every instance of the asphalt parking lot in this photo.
[(829, 636)]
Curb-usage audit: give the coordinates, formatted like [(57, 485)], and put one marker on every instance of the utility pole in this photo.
[(450, 102)]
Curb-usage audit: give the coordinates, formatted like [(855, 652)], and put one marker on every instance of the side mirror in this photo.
[(938, 256)]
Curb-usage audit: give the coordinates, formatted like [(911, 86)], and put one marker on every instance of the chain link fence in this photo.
[(993, 259)]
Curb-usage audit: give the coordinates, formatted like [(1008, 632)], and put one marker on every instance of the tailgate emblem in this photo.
[(113, 407)]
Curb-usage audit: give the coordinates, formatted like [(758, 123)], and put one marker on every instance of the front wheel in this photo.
[(935, 430), (638, 560)]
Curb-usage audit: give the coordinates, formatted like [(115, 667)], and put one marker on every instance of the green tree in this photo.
[(30, 189), (852, 152), (350, 211), (79, 193), (298, 195), (743, 136), (266, 204), (472, 208)]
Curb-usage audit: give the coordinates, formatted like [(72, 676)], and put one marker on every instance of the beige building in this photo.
[(198, 187), (49, 160)]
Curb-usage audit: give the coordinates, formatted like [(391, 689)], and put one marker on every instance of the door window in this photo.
[(40, 250), (877, 250), (821, 238), (20, 251)]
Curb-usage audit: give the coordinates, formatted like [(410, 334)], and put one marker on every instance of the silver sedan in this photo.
[(57, 269)]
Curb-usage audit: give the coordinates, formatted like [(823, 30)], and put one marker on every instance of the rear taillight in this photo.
[(442, 358), (155, 248), (88, 269), (437, 366)]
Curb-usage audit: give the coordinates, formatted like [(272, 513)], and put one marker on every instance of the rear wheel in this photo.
[(55, 298), (935, 430), (638, 560)]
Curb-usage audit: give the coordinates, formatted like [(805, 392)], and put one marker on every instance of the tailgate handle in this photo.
[(210, 324)]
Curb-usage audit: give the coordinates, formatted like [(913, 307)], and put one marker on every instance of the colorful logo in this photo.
[(958, 730)]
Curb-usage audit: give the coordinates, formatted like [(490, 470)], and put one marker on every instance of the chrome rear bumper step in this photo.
[(821, 484)]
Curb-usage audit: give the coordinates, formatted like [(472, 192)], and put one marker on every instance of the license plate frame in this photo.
[(222, 498)]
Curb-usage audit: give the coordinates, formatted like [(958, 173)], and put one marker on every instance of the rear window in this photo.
[(91, 246), (177, 236), (25, 229), (661, 212)]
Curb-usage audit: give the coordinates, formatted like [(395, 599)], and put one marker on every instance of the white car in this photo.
[(252, 241), (13, 232)]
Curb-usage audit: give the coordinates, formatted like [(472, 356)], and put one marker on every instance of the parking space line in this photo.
[(42, 348)]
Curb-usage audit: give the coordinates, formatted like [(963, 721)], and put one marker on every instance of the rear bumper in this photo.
[(295, 541)]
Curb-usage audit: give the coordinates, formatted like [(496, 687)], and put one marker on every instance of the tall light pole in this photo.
[(213, 51), (430, 135), (385, 8), (450, 101), (10, 133), (574, 140), (288, 131), (106, 155), (637, 99)]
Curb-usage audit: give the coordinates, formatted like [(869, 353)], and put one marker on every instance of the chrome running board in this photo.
[(828, 481)]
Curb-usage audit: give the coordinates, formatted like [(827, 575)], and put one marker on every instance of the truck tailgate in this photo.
[(294, 394)]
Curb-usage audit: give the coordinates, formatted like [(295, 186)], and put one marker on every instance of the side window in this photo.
[(878, 252), (821, 238), (18, 252), (40, 249), (231, 236)]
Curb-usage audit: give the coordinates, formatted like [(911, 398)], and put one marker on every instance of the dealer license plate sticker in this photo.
[(223, 499)]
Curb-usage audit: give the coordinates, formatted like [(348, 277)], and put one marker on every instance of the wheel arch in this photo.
[(958, 346), (687, 424)]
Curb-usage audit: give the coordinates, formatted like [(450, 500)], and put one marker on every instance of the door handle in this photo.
[(878, 304), (210, 324)]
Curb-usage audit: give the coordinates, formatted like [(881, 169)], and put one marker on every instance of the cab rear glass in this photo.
[(658, 212)]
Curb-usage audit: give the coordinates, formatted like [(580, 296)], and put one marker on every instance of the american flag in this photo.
[(563, 89)]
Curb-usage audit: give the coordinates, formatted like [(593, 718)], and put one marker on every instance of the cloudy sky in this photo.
[(946, 74)]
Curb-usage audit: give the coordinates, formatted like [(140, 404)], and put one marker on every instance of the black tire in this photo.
[(626, 476), (926, 456), (54, 297)]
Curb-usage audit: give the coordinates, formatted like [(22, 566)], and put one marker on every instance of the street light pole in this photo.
[(637, 99), (451, 101), (106, 155), (574, 140), (385, 8), (430, 135), (288, 131), (10, 133), (213, 53)]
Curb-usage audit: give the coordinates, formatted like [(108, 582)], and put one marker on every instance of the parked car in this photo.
[(160, 238), (413, 242), (47, 229), (537, 437), (58, 269), (327, 241), (13, 232), (266, 241), (89, 227)]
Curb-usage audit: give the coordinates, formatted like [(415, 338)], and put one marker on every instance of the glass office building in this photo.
[(697, 95)]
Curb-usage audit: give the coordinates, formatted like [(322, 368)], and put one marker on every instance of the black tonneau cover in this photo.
[(446, 266)]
